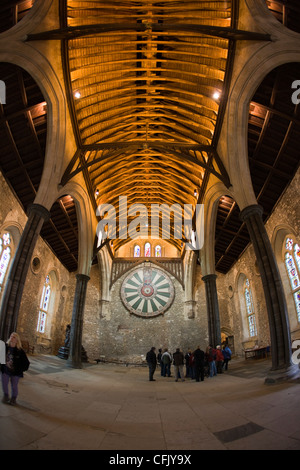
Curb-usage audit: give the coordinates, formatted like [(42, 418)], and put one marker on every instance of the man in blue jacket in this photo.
[(227, 356)]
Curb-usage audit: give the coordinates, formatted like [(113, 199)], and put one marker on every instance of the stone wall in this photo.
[(286, 218), (44, 262), (110, 330), (118, 335)]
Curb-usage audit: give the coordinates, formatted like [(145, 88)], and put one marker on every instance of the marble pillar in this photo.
[(212, 303), (274, 294), (37, 215), (75, 355)]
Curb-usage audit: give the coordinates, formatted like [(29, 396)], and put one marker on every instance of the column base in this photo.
[(287, 374), (73, 364)]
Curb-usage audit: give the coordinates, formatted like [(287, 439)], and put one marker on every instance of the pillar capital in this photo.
[(39, 210), (209, 277), (82, 277), (254, 209)]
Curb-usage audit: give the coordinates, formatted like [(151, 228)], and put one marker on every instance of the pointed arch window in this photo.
[(147, 249), (44, 305), (292, 264), (158, 251), (137, 251), (250, 309), (5, 256)]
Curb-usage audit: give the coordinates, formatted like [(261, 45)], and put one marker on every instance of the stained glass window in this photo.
[(44, 305), (250, 309), (5, 256), (147, 249), (137, 251), (158, 251), (292, 272), (292, 264), (297, 255)]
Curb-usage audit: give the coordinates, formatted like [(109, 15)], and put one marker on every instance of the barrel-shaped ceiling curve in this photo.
[(146, 83)]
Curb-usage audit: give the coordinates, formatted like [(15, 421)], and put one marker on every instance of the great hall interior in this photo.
[(128, 106)]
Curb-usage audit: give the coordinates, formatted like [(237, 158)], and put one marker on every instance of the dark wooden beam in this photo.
[(73, 32)]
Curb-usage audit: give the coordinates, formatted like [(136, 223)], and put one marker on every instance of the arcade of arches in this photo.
[(128, 106)]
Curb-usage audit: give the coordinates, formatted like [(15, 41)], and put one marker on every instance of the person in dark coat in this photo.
[(159, 361), (151, 361), (16, 363), (199, 364), (178, 358)]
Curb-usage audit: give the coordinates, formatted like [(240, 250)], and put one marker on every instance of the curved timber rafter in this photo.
[(146, 120)]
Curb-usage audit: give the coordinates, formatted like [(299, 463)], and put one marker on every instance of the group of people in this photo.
[(198, 364)]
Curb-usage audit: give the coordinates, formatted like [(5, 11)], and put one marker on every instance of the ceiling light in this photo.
[(97, 192), (77, 94), (216, 95)]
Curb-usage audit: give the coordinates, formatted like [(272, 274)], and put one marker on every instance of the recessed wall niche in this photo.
[(230, 291), (35, 265)]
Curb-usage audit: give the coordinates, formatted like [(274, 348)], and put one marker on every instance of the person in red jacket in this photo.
[(219, 359), (211, 358)]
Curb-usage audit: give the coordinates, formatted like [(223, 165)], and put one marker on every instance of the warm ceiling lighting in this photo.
[(77, 94), (216, 95)]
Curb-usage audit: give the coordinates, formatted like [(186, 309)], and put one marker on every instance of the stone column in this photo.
[(74, 359), (37, 215), (274, 294), (212, 303)]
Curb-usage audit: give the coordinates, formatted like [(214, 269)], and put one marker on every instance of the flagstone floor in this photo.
[(114, 407)]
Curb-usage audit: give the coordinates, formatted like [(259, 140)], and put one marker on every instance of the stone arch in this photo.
[(54, 279), (31, 20), (247, 340), (265, 18), (15, 230), (211, 202), (279, 235), (227, 337), (247, 77), (86, 224), (38, 67)]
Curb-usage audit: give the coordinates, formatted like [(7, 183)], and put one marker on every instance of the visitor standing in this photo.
[(151, 361), (227, 356), (166, 360), (178, 359), (199, 364), (219, 359), (16, 363)]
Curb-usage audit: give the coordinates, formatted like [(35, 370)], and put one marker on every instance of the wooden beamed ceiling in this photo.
[(147, 88), (273, 148), (146, 121)]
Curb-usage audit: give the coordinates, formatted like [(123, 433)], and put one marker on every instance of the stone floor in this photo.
[(115, 408)]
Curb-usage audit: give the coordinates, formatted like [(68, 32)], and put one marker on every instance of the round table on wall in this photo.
[(147, 291)]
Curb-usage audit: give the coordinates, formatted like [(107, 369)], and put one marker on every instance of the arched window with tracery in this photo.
[(292, 264), (137, 251), (158, 251), (250, 309), (44, 305), (5, 257), (147, 249)]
